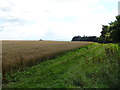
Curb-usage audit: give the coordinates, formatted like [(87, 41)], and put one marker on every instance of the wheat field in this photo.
[(20, 54)]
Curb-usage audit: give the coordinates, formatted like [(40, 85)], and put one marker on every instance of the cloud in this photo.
[(5, 9), (54, 19)]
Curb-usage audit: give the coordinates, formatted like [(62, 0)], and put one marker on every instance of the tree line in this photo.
[(85, 38), (109, 34)]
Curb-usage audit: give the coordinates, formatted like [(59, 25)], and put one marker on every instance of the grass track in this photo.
[(93, 66)]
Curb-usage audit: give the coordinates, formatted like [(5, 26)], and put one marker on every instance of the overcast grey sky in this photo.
[(54, 19)]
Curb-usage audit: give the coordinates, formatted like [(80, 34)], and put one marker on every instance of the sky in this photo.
[(58, 20)]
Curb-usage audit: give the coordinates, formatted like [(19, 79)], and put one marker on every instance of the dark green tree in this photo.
[(111, 32), (116, 30)]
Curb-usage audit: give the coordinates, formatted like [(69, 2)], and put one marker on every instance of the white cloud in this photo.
[(63, 19)]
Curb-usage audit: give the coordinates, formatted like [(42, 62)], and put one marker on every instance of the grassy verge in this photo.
[(93, 66)]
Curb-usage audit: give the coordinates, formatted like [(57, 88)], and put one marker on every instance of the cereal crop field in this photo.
[(21, 54)]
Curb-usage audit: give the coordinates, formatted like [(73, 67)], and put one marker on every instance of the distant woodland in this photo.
[(85, 38), (109, 34)]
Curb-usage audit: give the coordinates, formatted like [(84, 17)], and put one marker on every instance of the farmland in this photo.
[(91, 66), (21, 54)]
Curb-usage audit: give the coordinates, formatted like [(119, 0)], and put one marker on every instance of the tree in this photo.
[(111, 32), (116, 30), (104, 32)]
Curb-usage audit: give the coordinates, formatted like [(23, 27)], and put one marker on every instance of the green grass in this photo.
[(93, 66)]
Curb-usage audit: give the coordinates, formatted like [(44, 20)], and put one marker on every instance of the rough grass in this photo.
[(21, 54), (93, 66)]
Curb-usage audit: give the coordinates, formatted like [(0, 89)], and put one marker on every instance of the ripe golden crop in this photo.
[(20, 54)]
